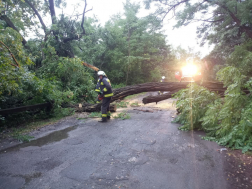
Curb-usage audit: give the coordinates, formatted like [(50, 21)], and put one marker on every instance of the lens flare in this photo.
[(189, 70)]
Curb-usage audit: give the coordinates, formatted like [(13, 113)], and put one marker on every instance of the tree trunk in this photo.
[(157, 98), (173, 87), (52, 11), (11, 25), (93, 108), (38, 15)]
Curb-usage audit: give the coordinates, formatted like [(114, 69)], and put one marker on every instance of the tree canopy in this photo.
[(223, 23), (41, 58), (227, 25)]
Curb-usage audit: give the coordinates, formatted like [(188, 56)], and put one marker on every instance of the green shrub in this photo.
[(227, 121), (192, 105), (116, 86)]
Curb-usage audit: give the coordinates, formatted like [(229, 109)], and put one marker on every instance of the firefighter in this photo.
[(106, 93), (162, 80), (97, 89)]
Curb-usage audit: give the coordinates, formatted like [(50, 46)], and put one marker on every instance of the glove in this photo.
[(101, 93)]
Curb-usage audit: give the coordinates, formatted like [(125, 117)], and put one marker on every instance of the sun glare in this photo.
[(189, 70)]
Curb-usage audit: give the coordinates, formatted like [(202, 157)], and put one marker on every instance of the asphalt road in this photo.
[(144, 152)]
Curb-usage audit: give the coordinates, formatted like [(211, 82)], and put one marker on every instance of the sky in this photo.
[(104, 9)]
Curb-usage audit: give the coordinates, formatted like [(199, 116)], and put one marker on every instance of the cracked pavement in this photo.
[(143, 152)]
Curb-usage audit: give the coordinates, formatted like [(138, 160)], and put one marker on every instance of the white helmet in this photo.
[(163, 77), (101, 73)]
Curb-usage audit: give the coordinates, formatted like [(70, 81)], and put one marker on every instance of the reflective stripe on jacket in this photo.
[(97, 87)]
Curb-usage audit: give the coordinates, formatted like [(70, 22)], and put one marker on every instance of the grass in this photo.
[(20, 132), (134, 104), (249, 153), (22, 138), (122, 115), (122, 104), (95, 115)]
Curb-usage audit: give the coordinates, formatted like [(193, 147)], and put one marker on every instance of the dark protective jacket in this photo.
[(162, 80), (105, 87), (161, 92)]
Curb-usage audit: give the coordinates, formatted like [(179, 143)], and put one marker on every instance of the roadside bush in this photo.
[(192, 105), (227, 121), (61, 81), (232, 124)]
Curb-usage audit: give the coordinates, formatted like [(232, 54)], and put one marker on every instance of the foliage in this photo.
[(242, 58), (22, 138), (21, 15), (69, 74), (116, 86), (231, 127), (34, 123), (192, 105), (224, 23), (48, 67), (62, 112), (227, 25), (226, 121), (12, 72), (95, 114), (134, 104), (122, 116), (135, 50), (20, 87), (122, 104)]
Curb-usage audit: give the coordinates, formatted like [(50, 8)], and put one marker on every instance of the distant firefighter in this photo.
[(162, 80)]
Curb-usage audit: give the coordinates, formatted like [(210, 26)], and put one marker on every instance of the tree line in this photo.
[(42, 61)]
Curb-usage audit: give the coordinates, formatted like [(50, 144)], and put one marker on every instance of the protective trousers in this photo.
[(105, 107)]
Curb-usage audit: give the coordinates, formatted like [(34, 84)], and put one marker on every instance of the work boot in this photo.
[(104, 119), (108, 117)]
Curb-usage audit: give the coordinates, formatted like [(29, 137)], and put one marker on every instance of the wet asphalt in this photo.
[(144, 152)]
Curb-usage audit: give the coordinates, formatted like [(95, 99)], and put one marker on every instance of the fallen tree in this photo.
[(92, 107), (172, 87)]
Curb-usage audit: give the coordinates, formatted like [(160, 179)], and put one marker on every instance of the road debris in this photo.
[(144, 110), (222, 149)]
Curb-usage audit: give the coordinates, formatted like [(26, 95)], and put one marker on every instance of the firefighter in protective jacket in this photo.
[(105, 93), (162, 80)]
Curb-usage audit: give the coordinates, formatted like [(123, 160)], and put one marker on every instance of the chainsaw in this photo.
[(100, 97)]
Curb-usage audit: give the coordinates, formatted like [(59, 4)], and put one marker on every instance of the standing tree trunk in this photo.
[(52, 11)]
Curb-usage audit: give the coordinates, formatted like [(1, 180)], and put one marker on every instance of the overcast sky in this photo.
[(104, 9)]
